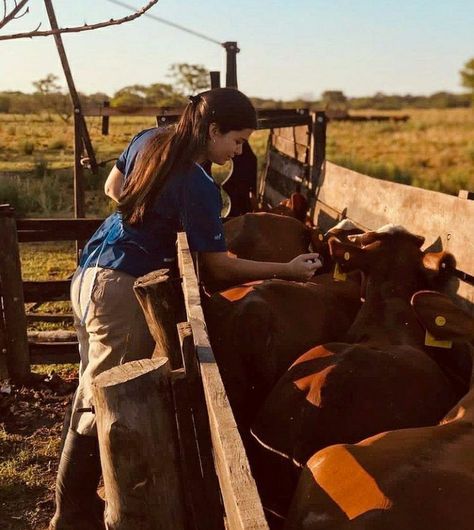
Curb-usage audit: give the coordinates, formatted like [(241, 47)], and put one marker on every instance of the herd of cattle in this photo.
[(351, 391)]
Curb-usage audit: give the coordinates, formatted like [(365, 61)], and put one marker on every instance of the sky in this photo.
[(289, 49)]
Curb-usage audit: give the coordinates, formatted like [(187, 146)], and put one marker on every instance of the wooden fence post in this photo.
[(215, 76), (319, 147), (138, 447), (160, 306), (202, 492), (105, 120), (18, 359)]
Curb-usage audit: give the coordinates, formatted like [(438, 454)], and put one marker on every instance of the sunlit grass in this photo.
[(433, 149)]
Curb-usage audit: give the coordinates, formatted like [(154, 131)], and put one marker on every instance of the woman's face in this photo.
[(221, 147)]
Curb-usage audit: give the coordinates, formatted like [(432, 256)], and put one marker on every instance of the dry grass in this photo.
[(434, 149)]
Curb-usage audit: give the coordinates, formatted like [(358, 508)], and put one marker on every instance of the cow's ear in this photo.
[(438, 268), (318, 241), (299, 205), (349, 256), (439, 261), (441, 318), (365, 238)]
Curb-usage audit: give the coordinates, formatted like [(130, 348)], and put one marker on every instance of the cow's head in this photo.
[(320, 241), (296, 206), (392, 252)]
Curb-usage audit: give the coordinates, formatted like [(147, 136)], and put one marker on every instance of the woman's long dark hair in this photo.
[(175, 149)]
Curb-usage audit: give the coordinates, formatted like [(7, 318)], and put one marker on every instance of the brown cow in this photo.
[(416, 479), (257, 330), (296, 206), (268, 237), (377, 380)]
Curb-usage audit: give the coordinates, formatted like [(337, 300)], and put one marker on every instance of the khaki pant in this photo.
[(114, 332)]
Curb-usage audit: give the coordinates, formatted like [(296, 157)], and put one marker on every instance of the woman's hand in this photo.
[(304, 266), (218, 268)]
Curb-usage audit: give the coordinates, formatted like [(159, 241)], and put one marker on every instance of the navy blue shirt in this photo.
[(190, 202)]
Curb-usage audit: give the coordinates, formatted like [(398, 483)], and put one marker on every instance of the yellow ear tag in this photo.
[(320, 237), (431, 341), (338, 275)]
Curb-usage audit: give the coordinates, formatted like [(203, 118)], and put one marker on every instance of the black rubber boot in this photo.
[(65, 429), (78, 507)]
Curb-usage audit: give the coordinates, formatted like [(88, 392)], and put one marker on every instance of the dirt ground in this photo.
[(31, 419)]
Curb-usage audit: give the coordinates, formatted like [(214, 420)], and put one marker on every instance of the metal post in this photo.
[(319, 147), (215, 79), (231, 64)]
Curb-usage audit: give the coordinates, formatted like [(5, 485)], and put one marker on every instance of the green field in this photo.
[(434, 150)]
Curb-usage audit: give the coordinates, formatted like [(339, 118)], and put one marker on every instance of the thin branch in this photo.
[(169, 23), (85, 27), (18, 7)]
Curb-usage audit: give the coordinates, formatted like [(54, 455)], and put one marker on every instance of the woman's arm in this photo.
[(220, 267), (114, 183)]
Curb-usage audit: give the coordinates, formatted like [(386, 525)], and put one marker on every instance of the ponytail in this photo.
[(177, 148)]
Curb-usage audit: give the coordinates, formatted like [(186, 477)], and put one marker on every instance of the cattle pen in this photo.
[(207, 456)]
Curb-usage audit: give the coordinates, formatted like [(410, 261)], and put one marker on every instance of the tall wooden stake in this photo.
[(139, 447), (80, 127)]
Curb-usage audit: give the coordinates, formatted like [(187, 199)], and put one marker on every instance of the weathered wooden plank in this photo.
[(290, 148), (299, 135), (293, 141), (440, 218), (199, 474), (12, 302), (99, 110), (239, 492), (46, 291), (269, 113), (466, 194), (288, 167), (54, 352), (56, 229), (57, 335), (49, 317), (282, 121), (267, 118)]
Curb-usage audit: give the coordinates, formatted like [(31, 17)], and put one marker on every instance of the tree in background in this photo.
[(335, 103), (130, 96), (334, 98), (190, 78), (467, 77), (138, 96), (50, 97), (163, 95), (47, 85)]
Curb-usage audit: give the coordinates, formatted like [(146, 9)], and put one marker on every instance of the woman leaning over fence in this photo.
[(165, 190)]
